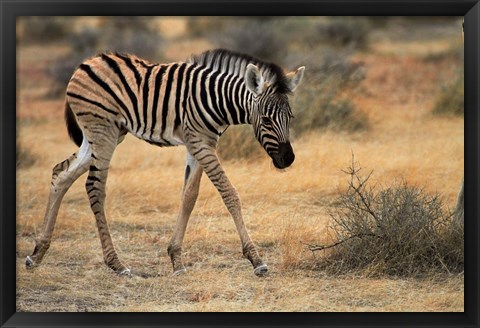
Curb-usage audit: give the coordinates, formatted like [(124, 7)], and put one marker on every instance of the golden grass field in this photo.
[(282, 210)]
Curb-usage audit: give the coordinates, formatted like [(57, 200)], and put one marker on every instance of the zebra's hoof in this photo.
[(126, 273), (261, 270), (29, 264), (179, 272)]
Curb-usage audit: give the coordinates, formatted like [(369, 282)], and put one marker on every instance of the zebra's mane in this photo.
[(235, 63)]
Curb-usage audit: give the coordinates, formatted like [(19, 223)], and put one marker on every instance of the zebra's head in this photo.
[(271, 113)]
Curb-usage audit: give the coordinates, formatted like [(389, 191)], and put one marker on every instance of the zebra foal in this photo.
[(184, 103)]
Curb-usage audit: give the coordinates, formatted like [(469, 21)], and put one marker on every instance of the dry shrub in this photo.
[(43, 29), (318, 107), (320, 103), (451, 99), (256, 36), (398, 231), (83, 45), (345, 31), (454, 53), (132, 34), (201, 26), (135, 35), (25, 158)]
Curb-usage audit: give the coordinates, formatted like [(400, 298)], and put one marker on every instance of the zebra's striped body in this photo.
[(146, 108), (186, 103)]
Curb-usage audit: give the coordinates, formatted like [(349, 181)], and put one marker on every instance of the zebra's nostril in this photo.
[(289, 159)]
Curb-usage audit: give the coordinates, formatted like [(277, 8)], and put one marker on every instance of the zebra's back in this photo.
[(146, 99)]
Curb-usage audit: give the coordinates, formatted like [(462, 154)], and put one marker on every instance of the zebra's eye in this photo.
[(266, 121)]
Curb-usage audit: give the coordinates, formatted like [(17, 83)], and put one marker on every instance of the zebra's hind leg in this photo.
[(193, 175), (103, 146), (63, 176)]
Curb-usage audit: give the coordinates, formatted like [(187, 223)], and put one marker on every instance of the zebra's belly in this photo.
[(167, 139)]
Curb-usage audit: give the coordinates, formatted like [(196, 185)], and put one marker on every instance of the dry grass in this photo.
[(282, 210)]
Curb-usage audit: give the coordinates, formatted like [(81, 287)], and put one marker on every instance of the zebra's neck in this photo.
[(220, 99), (236, 107)]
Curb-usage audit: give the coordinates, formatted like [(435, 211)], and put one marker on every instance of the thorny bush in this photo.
[(398, 231)]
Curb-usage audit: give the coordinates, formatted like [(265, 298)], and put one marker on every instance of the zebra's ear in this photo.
[(294, 78), (254, 79)]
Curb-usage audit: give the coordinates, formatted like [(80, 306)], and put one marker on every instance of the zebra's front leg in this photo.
[(193, 175), (208, 159)]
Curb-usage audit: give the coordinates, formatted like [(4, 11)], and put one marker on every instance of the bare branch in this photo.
[(314, 248)]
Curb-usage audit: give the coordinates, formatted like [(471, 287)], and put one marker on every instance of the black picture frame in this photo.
[(10, 10)]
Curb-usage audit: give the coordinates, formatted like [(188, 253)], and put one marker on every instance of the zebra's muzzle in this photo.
[(284, 157)]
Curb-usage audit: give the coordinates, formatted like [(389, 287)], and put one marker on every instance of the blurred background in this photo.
[(339, 53)]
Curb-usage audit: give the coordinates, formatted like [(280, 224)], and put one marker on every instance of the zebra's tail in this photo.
[(74, 130)]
